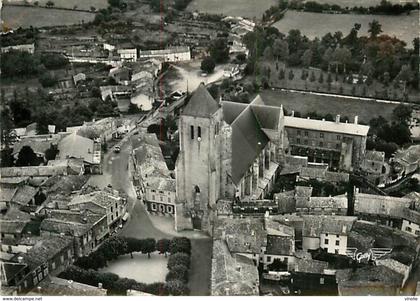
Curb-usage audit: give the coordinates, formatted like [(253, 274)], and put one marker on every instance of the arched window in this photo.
[(197, 189)]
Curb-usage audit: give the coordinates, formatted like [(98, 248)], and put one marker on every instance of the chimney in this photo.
[(293, 113), (39, 289), (99, 285), (337, 118), (20, 259), (267, 214), (356, 119)]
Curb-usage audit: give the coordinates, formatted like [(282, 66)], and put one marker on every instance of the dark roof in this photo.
[(53, 286), (267, 116), (231, 110), (278, 245), (24, 195), (286, 201), (201, 103), (248, 140), (315, 225), (310, 266), (11, 269)]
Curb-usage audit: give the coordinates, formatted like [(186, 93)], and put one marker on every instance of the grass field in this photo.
[(351, 3), (305, 103), (244, 8), (317, 25), (15, 16), (81, 4)]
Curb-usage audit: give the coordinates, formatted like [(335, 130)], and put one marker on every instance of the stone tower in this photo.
[(198, 167)]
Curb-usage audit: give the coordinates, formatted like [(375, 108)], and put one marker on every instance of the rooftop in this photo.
[(54, 286), (45, 249), (310, 266), (280, 245), (179, 49), (326, 126), (232, 275), (378, 204), (315, 225), (33, 171), (201, 104), (245, 235), (75, 146)]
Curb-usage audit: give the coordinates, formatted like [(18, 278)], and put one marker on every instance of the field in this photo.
[(351, 3), (305, 103), (244, 8), (15, 16), (81, 4), (317, 25)]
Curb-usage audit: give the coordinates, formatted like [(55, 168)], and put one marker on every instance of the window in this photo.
[(170, 209), (321, 144), (417, 232), (112, 209), (326, 241), (116, 214), (408, 229), (192, 132), (306, 141), (268, 258), (154, 207), (337, 146), (298, 132), (112, 217), (336, 251), (153, 197), (338, 137), (321, 135), (298, 140), (306, 133), (321, 280), (337, 242), (161, 198), (199, 132)]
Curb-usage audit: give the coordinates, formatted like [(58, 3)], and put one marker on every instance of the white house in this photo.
[(129, 55)]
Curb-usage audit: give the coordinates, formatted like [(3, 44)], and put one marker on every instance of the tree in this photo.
[(51, 153), (178, 272), (307, 58), (27, 157), (176, 288), (281, 49), (219, 50), (181, 4), (402, 113), (47, 80), (281, 74), (342, 56), (291, 74), (312, 78), (179, 258), (49, 4), (321, 78), (7, 157), (208, 65), (268, 53), (149, 246), (405, 75), (162, 245), (375, 28)]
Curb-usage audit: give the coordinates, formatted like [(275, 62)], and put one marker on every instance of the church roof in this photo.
[(231, 110), (201, 103), (248, 140), (267, 116)]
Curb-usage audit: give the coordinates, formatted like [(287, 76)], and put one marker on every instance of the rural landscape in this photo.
[(210, 148)]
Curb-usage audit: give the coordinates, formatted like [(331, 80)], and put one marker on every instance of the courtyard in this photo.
[(139, 268)]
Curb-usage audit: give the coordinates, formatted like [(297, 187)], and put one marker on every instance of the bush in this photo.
[(47, 80), (176, 288), (208, 65), (178, 272), (179, 259), (180, 244)]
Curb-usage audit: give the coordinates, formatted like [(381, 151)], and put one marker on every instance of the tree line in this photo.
[(85, 268)]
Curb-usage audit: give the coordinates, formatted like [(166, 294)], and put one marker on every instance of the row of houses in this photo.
[(155, 184), (42, 244)]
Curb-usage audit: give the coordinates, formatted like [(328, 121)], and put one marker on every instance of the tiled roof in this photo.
[(24, 195), (393, 265), (412, 216), (33, 171), (12, 227), (75, 146), (326, 126), (11, 269), (232, 275), (334, 202), (7, 193), (310, 266), (280, 245), (69, 228), (378, 204), (245, 235), (45, 249), (410, 155), (375, 156), (286, 201), (179, 49), (54, 286), (101, 198), (315, 225), (161, 183), (201, 104), (39, 144), (274, 226), (14, 214)]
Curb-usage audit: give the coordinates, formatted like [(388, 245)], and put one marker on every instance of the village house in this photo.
[(102, 202), (173, 54), (39, 144), (340, 145), (326, 232), (54, 286), (232, 274), (78, 147), (375, 168), (386, 210), (152, 178), (128, 55), (29, 48), (406, 161), (88, 229)]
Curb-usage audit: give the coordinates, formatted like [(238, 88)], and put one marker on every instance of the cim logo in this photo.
[(371, 254)]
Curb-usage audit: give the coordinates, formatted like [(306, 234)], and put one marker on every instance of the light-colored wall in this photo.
[(332, 246), (310, 243), (412, 228)]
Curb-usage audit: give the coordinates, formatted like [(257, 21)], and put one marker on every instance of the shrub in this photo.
[(179, 259), (176, 288), (178, 272), (180, 244)]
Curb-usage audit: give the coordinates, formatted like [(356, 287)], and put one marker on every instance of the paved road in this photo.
[(141, 225)]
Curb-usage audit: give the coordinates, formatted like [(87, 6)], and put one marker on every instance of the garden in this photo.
[(149, 276)]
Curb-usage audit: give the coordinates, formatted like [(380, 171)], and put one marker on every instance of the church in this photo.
[(231, 151)]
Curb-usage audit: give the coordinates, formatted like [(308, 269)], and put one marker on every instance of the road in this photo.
[(143, 225)]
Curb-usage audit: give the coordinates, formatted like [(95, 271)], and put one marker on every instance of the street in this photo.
[(143, 225)]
